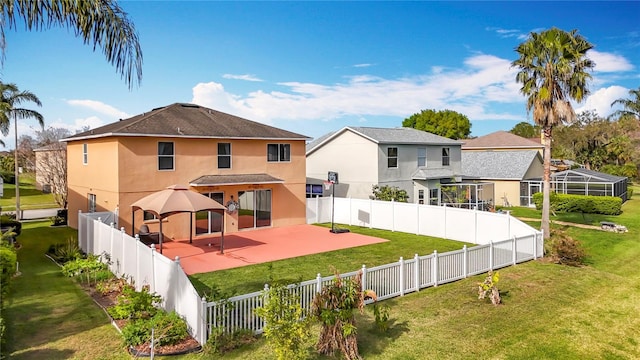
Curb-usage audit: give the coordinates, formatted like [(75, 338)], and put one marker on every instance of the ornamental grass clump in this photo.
[(565, 250)]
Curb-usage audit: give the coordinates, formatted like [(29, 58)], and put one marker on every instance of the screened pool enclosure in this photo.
[(577, 182)]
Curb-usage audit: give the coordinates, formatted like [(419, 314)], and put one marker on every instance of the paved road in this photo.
[(37, 214)]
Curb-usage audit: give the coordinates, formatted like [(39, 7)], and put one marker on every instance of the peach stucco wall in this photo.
[(128, 171)]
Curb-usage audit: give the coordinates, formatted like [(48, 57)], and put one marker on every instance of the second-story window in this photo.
[(422, 156), (85, 154), (224, 156), (166, 155), (445, 156), (278, 152), (392, 157)]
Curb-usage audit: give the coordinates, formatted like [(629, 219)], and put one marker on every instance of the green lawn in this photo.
[(549, 311), (49, 316), (30, 197)]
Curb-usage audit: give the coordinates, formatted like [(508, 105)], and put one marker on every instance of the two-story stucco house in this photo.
[(225, 157), (410, 159)]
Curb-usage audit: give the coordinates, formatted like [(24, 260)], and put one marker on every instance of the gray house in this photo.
[(413, 160)]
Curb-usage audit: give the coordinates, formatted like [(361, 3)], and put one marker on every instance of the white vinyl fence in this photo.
[(143, 266), (502, 241), (472, 226)]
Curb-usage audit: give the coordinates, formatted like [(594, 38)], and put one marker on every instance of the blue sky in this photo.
[(314, 67)]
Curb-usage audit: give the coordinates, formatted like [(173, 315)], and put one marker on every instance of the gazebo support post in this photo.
[(222, 234), (190, 228), (160, 235), (133, 222)]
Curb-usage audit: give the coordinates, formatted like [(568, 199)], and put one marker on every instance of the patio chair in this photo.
[(148, 237)]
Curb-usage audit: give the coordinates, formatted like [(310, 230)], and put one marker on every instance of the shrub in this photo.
[(112, 285), (90, 269), (381, 316), (8, 263), (8, 177), (286, 326), (607, 205), (564, 249), (7, 222), (135, 304), (489, 287), (168, 329), (65, 252)]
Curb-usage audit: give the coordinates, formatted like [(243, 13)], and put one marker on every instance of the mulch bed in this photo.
[(187, 345)]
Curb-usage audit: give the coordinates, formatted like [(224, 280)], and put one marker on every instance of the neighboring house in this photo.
[(507, 160), (581, 181), (508, 171), (412, 160), (228, 158), (502, 141), (51, 168)]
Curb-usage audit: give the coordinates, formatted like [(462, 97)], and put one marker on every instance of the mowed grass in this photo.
[(48, 315), (30, 197), (549, 312), (251, 278)]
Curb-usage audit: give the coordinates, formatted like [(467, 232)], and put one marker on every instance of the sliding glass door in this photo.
[(255, 209), (208, 222)]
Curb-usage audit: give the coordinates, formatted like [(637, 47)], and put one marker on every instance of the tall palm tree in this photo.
[(11, 99), (101, 23), (631, 106), (552, 70)]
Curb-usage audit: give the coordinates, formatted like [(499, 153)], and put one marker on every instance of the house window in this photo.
[(392, 157), (165, 155), (434, 196), (91, 206), (224, 156), (85, 154), (420, 196), (149, 216), (314, 191), (422, 156), (445, 156), (278, 152)]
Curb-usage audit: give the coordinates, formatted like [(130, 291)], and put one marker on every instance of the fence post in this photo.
[(153, 268), (80, 230), (515, 251), (318, 283), (350, 211), (418, 218), (393, 215), (401, 261), (204, 333), (490, 254), (465, 266), (317, 210), (535, 246), (124, 251), (435, 268), (137, 245), (416, 271), (364, 277), (475, 223), (370, 213), (446, 225), (176, 286)]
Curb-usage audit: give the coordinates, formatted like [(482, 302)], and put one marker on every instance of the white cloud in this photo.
[(246, 77), (362, 65), (79, 124), (485, 79), (608, 62), (601, 100), (100, 107)]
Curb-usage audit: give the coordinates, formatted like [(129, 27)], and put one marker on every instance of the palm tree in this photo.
[(631, 106), (552, 70), (12, 97), (101, 23)]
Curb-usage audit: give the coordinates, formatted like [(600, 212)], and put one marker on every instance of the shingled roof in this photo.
[(398, 135), (190, 121), (501, 139), (504, 165)]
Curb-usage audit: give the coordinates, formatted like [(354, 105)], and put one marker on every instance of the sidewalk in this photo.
[(36, 213)]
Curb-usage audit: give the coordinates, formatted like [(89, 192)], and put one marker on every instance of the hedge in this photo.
[(8, 177), (607, 205)]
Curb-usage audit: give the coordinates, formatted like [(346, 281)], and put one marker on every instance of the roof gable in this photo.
[(188, 120), (400, 136), (501, 139)]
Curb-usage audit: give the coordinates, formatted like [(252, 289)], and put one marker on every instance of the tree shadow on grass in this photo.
[(377, 341), (44, 354)]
